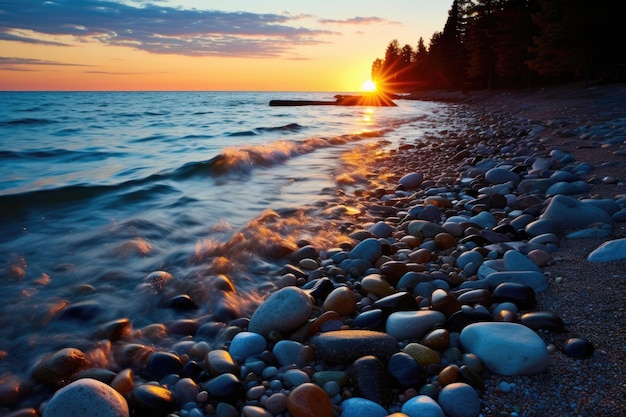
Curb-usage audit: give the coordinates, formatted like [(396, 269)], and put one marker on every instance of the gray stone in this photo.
[(411, 181), (515, 261), (568, 188), (613, 250), (369, 249), (270, 316), (459, 400), (424, 229), (506, 348), (413, 324), (571, 214), (246, 344), (87, 397), (422, 406), (360, 407), (345, 346), (536, 280), (501, 176)]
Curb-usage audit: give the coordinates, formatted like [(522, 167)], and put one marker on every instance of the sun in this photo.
[(368, 86)]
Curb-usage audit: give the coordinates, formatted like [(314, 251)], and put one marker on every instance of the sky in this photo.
[(207, 45)]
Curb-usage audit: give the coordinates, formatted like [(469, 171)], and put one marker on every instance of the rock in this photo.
[(506, 348), (459, 400), (361, 407), (515, 261), (270, 316), (484, 219), (162, 364), (381, 229), (571, 214), (276, 403), (438, 339), (404, 325), (369, 249), (613, 250), (295, 378), (422, 406), (152, 400), (288, 352), (376, 285), (543, 320), (520, 295), (341, 300), (345, 346), (255, 411), (568, 188), (225, 387), (411, 181), (400, 301), (423, 355), (405, 371), (59, 367), (219, 361), (370, 380), (501, 176), (371, 320), (448, 375), (536, 280), (309, 400), (246, 344), (424, 229), (86, 397), (578, 348)]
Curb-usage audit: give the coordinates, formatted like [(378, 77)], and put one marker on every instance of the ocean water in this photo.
[(99, 191)]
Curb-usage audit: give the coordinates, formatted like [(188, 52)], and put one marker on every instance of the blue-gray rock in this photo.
[(422, 406), (536, 280), (59, 367), (162, 364), (246, 344), (613, 250), (361, 407), (151, 400), (270, 316), (506, 348), (501, 176), (424, 229), (473, 257), (459, 400), (288, 352), (605, 204), (620, 216), (484, 219), (571, 214), (430, 213), (591, 233), (542, 227), (369, 249), (411, 181), (405, 371), (86, 397), (515, 261), (345, 346), (369, 377), (404, 325), (381, 229)]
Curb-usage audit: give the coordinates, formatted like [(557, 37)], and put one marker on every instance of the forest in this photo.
[(512, 44)]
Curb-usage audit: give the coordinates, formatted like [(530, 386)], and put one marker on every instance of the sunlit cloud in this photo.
[(6, 36), (157, 28), (371, 20)]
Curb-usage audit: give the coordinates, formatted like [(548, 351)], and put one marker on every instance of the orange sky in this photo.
[(250, 45)]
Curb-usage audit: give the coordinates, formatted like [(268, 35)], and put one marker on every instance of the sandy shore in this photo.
[(590, 297)]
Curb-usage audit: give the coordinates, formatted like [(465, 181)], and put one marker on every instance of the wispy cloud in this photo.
[(22, 64), (158, 28), (371, 20), (4, 36)]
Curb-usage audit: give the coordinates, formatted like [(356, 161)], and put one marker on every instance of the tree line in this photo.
[(512, 44)]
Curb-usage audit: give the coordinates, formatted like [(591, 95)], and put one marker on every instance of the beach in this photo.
[(396, 238)]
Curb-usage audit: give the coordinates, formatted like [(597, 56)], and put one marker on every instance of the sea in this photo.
[(162, 207)]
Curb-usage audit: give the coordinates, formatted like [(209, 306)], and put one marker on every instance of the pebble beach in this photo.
[(476, 274)]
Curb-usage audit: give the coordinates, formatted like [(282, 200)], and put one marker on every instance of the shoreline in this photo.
[(505, 128)]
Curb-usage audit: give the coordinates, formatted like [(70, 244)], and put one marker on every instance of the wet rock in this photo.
[(345, 346), (411, 181), (288, 352), (437, 339), (219, 361), (151, 400), (578, 348), (59, 367), (114, 330), (246, 344), (370, 380), (341, 300), (372, 320), (403, 325), (536, 280), (86, 397), (270, 316), (12, 389), (423, 355), (360, 407), (424, 229), (521, 295), (369, 249), (405, 371), (543, 320), (309, 400), (225, 387), (376, 285), (444, 302), (506, 348), (182, 302), (162, 364), (422, 406), (459, 400)]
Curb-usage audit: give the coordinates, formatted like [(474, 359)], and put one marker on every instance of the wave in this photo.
[(26, 121), (63, 155), (291, 127)]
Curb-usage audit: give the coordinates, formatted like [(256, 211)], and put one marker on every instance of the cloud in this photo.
[(158, 28), (18, 64), (371, 20), (18, 38)]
